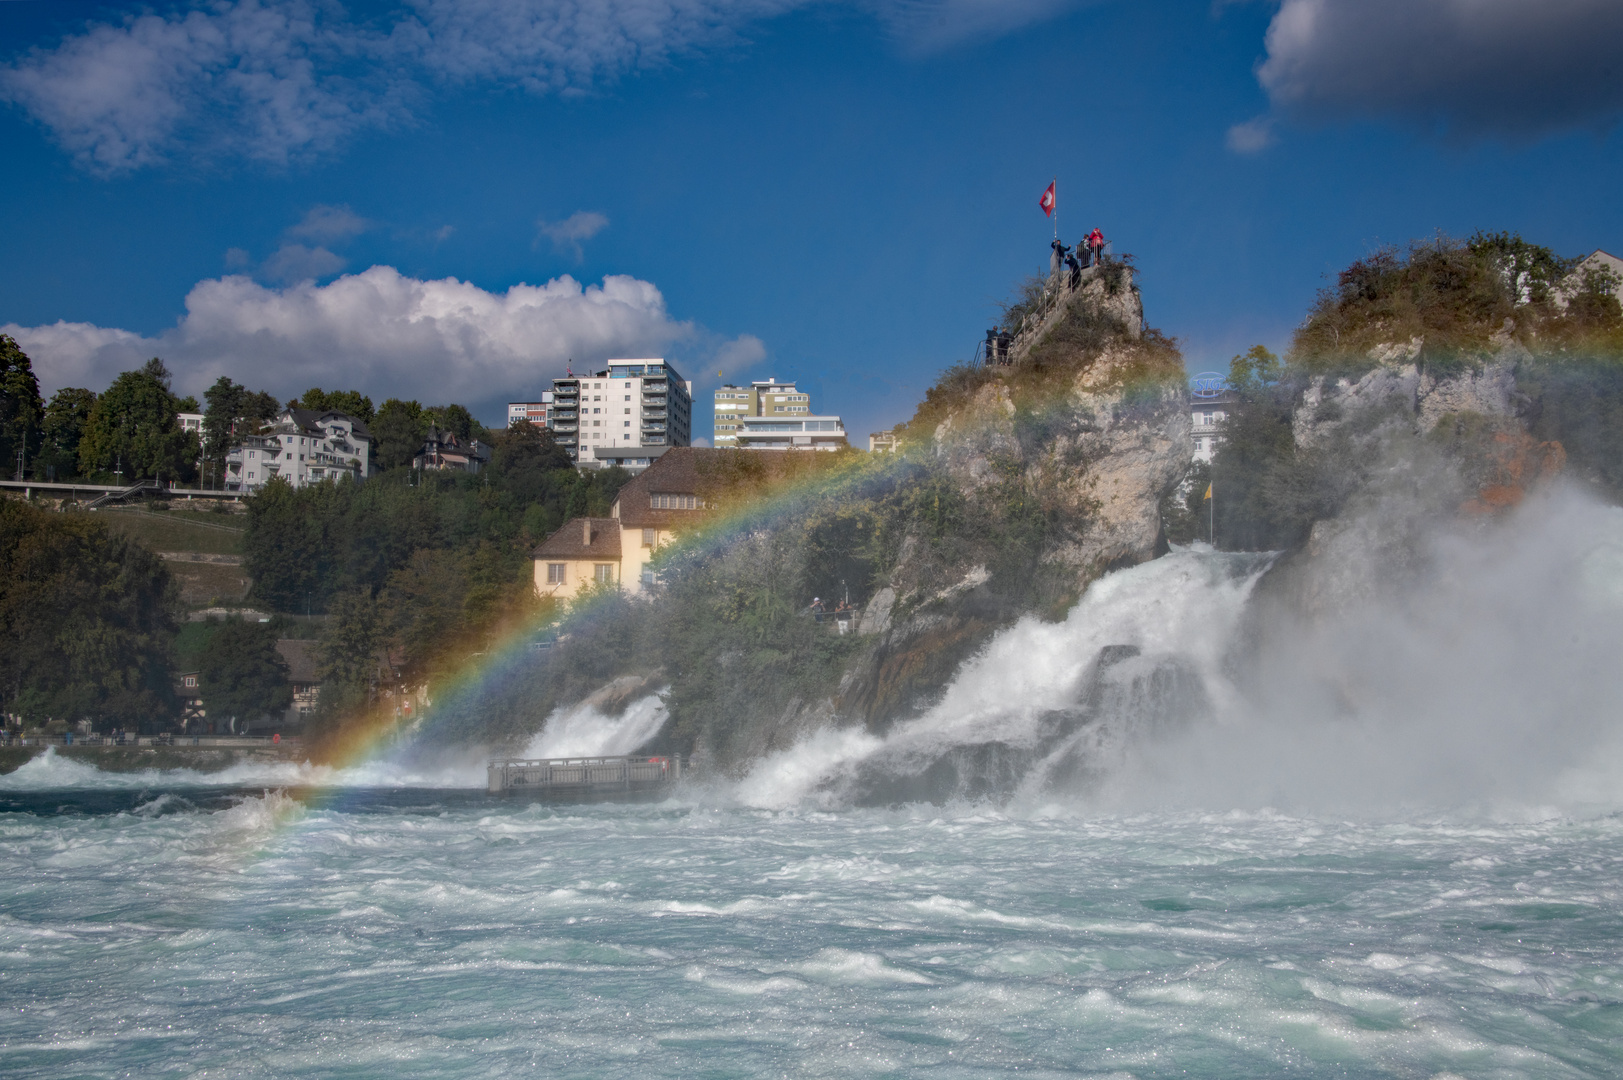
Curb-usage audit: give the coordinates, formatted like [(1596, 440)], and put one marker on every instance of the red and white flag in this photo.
[(1047, 201)]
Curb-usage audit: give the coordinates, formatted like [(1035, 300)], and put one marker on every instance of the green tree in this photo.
[(132, 427), (243, 678), (285, 549), (349, 402), (65, 420), (20, 407), (87, 616), (398, 429), (457, 420)]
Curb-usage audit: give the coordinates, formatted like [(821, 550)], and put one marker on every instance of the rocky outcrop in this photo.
[(1483, 385), (1093, 442)]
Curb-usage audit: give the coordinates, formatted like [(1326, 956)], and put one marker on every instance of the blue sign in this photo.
[(1208, 384)]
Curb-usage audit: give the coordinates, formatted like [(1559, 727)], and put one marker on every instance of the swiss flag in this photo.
[(1047, 201)]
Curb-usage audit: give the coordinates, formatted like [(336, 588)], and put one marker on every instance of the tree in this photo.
[(20, 407), (349, 402), (285, 550), (233, 411), (243, 678), (132, 427), (458, 421), (398, 429), (87, 617), (65, 420)]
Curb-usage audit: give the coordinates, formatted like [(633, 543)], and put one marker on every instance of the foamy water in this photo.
[(453, 936)]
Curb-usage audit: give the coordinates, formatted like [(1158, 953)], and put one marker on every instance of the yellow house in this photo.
[(649, 511)]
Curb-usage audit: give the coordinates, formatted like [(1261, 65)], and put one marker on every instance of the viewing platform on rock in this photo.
[(585, 778), (1109, 283)]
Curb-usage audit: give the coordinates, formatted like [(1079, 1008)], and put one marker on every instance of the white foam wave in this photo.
[(584, 730)]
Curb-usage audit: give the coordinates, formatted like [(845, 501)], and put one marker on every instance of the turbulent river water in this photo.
[(1391, 847)]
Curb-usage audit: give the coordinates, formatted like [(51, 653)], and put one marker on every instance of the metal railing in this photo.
[(582, 775)]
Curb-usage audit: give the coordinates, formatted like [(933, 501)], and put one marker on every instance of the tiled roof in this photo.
[(675, 473), (301, 659), (571, 541)]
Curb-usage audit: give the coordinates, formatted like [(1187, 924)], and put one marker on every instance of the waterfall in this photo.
[(1481, 675)]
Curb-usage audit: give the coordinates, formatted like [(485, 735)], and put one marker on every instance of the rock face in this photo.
[(1103, 437), (1485, 388)]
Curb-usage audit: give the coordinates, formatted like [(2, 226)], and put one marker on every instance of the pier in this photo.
[(584, 777)]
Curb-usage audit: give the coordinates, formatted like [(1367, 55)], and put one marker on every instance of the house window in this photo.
[(555, 573), (603, 573), (648, 536), (191, 681)]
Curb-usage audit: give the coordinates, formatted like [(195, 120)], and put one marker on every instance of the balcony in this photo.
[(653, 426), (565, 427), (653, 414)]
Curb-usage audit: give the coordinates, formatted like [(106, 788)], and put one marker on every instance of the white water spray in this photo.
[(1484, 683)]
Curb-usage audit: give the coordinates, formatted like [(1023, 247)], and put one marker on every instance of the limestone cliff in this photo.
[(1087, 426)]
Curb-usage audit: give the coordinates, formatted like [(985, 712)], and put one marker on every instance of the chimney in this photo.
[(586, 530)]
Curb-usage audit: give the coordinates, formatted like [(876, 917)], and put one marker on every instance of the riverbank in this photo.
[(138, 758)]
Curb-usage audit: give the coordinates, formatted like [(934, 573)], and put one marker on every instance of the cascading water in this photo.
[(1046, 703), (1477, 673)]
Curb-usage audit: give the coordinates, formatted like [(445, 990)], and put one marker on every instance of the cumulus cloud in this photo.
[(566, 235), (380, 331), (1497, 67), (274, 80), (295, 262)]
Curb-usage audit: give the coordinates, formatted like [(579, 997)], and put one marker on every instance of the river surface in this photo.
[(206, 931)]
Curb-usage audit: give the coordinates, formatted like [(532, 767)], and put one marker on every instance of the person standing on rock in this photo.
[(1056, 261), (1074, 266), (1096, 244)]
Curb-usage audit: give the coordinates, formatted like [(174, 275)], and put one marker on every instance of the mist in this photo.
[(1458, 667)]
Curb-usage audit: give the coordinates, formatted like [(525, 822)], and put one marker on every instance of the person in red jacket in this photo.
[(1096, 244)]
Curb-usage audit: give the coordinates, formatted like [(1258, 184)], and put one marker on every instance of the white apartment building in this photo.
[(628, 413), (302, 447), (536, 412)]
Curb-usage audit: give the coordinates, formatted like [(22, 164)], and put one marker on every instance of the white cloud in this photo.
[(932, 25), (266, 79), (378, 331), (739, 355), (566, 235), (295, 262), (273, 80), (1506, 67), (1251, 137), (329, 223)]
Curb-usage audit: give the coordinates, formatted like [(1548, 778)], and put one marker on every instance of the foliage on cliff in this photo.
[(1459, 298), (1449, 308), (1038, 383), (88, 618)]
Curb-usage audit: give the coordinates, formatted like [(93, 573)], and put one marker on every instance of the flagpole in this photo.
[(1211, 528), (1055, 183)]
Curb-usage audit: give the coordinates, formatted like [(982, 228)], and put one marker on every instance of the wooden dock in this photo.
[(584, 778)]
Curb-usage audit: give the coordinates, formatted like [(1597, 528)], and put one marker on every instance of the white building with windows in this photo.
[(302, 447), (1208, 414), (627, 414), (801, 433)]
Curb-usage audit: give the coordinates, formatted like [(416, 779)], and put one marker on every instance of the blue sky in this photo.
[(447, 201)]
